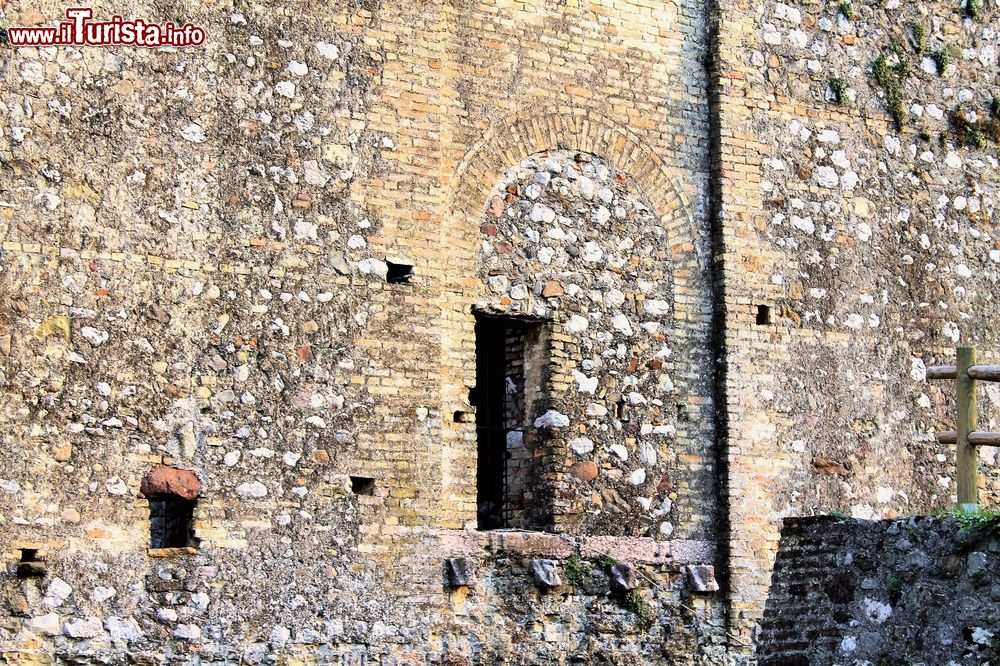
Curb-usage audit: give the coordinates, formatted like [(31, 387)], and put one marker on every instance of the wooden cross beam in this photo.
[(967, 437)]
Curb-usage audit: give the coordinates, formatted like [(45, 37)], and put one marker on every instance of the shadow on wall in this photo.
[(908, 591)]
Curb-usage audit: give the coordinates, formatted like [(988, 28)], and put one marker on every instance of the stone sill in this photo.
[(171, 552), (638, 550)]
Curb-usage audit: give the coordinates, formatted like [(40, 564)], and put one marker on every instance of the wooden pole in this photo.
[(968, 486)]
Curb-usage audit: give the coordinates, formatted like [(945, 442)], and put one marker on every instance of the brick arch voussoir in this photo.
[(529, 132)]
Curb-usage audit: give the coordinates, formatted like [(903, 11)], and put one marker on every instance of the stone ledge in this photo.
[(640, 550)]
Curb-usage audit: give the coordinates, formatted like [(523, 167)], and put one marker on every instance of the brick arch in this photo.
[(519, 136), (487, 162)]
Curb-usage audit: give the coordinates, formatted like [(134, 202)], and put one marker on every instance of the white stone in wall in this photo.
[(83, 628), (876, 611), (638, 477), (622, 324), (786, 13), (582, 445), (552, 419), (57, 592), (122, 630), (280, 635), (542, 213), (771, 35), (285, 89), (251, 489), (46, 625), (804, 224), (828, 136), (194, 133), (584, 383), (94, 336), (577, 324), (826, 177), (187, 632), (657, 308), (327, 50), (596, 409), (619, 451), (374, 267), (166, 615)]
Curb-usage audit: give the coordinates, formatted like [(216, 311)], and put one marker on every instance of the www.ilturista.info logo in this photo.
[(79, 30)]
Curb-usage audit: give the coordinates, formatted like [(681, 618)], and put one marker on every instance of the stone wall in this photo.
[(907, 591), (196, 246), (872, 246)]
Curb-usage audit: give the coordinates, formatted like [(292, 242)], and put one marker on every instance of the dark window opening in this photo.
[(763, 314), (362, 485), (29, 566), (511, 355), (398, 273), (171, 522)]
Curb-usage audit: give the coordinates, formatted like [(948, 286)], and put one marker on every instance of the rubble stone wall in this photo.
[(196, 246), (874, 247), (907, 591)]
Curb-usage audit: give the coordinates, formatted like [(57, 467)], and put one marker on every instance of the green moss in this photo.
[(894, 584), (941, 60), (890, 78), (839, 88), (605, 561), (995, 108), (917, 36), (846, 9), (984, 521), (635, 602), (576, 571), (974, 9)]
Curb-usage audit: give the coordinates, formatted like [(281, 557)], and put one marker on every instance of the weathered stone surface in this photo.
[(49, 624), (161, 481), (460, 572), (701, 578), (860, 589), (585, 471), (546, 573), (623, 577)]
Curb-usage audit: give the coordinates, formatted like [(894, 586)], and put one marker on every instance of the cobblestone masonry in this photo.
[(875, 248), (910, 591), (196, 246)]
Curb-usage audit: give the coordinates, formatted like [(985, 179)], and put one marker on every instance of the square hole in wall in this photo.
[(29, 566), (763, 314), (398, 273), (362, 485), (171, 522)]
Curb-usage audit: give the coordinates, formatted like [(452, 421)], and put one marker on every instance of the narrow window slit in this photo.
[(362, 485)]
